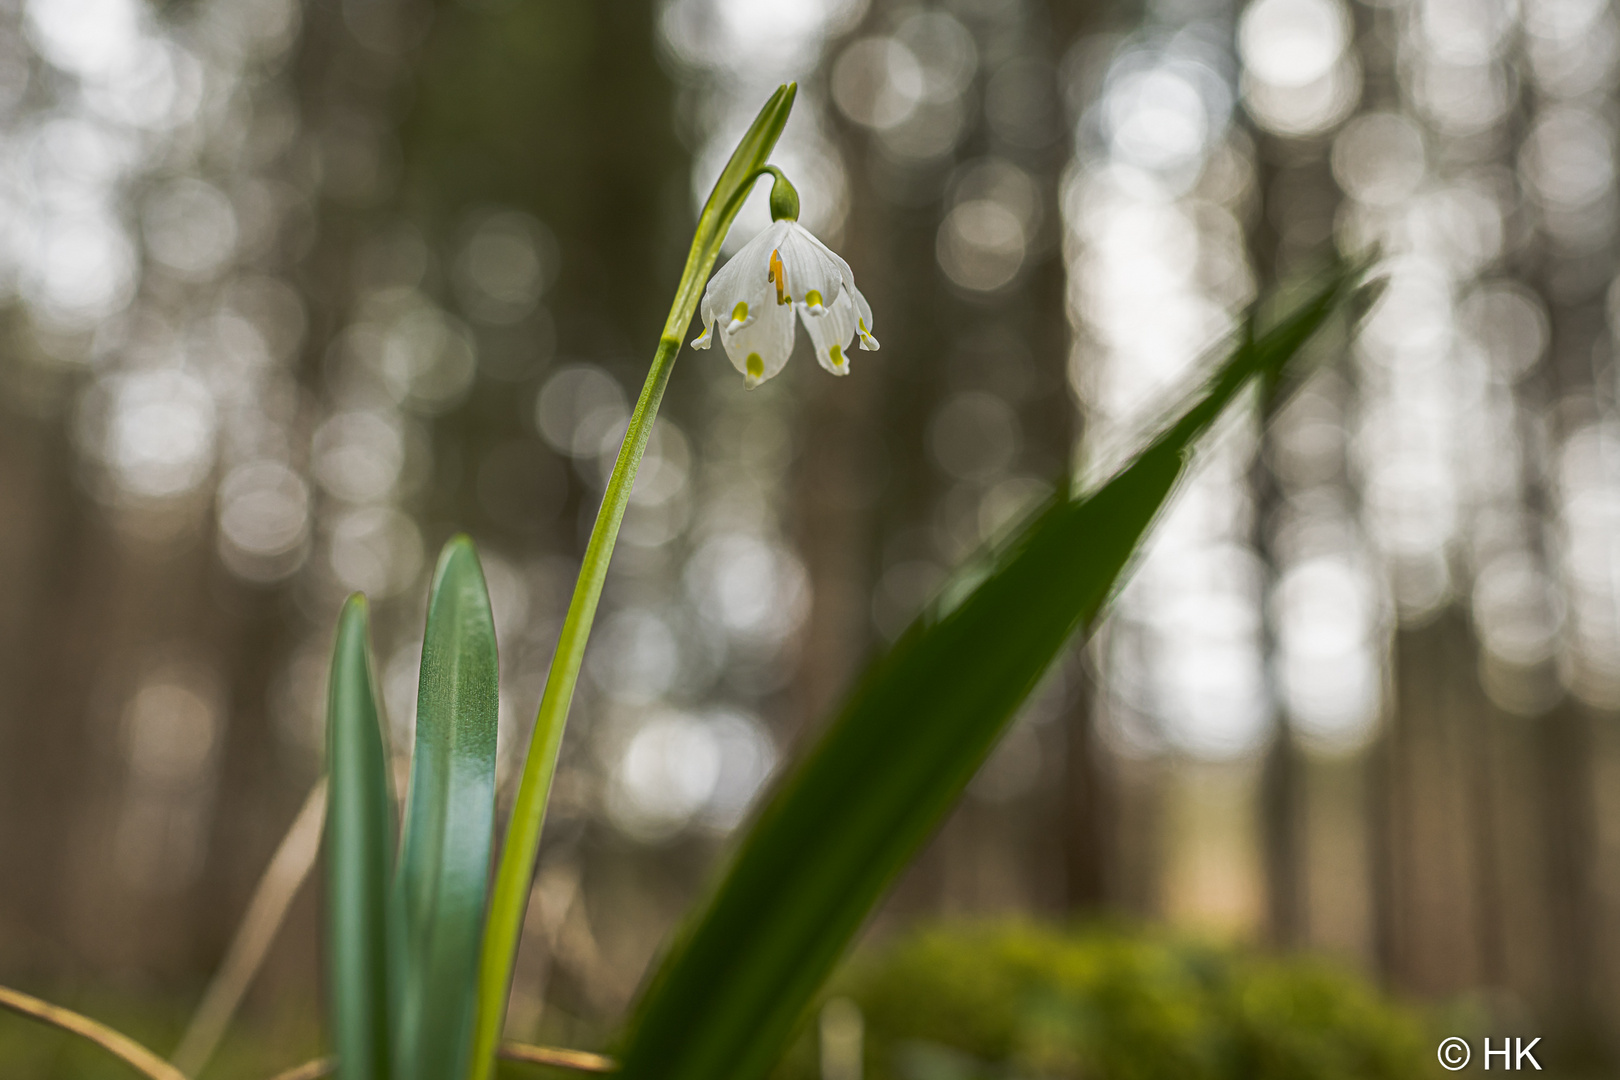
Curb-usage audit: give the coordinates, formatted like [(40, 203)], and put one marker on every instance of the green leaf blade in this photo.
[(439, 893), (845, 820), (724, 202), (359, 854)]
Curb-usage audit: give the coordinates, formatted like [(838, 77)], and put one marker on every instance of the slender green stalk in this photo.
[(513, 879)]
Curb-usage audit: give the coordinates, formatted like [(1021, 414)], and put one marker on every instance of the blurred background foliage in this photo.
[(291, 292), (954, 1002)]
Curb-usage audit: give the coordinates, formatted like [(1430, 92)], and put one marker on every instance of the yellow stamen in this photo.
[(755, 365), (813, 298), (779, 275)]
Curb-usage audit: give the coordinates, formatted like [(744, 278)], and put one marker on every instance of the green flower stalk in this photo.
[(836, 299)]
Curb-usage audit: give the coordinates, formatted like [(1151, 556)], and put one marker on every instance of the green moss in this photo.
[(1011, 1001)]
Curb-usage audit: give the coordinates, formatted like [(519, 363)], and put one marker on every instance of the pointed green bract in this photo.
[(511, 897), (725, 200), (849, 815), (359, 855), (439, 892)]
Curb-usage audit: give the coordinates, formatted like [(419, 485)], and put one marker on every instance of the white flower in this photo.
[(782, 270)]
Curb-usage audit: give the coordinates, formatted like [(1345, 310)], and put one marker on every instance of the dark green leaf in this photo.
[(449, 818), (359, 854), (849, 815)]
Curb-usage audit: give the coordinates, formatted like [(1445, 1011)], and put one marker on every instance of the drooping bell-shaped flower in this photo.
[(781, 272)]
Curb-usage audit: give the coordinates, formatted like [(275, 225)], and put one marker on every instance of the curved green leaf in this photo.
[(449, 820), (359, 854), (848, 816)]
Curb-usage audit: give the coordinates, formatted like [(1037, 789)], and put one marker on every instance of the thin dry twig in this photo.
[(288, 869), (114, 1042), (577, 1060), (309, 1070)]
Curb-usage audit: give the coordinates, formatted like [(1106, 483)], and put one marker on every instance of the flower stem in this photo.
[(514, 877)]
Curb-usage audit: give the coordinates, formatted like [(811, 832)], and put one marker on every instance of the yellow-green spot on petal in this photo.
[(756, 366), (836, 354), (813, 298), (740, 312)]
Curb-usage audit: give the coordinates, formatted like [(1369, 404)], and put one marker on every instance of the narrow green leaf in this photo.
[(849, 815), (724, 202), (449, 820), (359, 854), (516, 872)]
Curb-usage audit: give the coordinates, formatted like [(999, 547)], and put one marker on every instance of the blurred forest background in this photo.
[(291, 293)]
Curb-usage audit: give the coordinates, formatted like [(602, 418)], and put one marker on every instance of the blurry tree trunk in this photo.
[(1282, 795), (1281, 800), (862, 474), (1563, 389), (1482, 780), (869, 493), (1431, 912), (1091, 783), (1091, 817), (1564, 747), (44, 683), (845, 464)]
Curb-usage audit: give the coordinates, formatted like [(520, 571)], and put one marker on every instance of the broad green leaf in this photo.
[(850, 814), (516, 872), (359, 854), (449, 820)]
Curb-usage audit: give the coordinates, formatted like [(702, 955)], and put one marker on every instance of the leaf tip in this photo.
[(455, 554), (354, 618)]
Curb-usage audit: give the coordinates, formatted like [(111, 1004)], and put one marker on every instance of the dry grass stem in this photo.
[(578, 1060), (288, 869), (309, 1070), (114, 1042)]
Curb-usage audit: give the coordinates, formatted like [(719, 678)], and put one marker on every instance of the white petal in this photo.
[(863, 310), (706, 313), (706, 306), (748, 307), (863, 319), (753, 262), (845, 274), (761, 346), (744, 278), (831, 332), (812, 269)]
